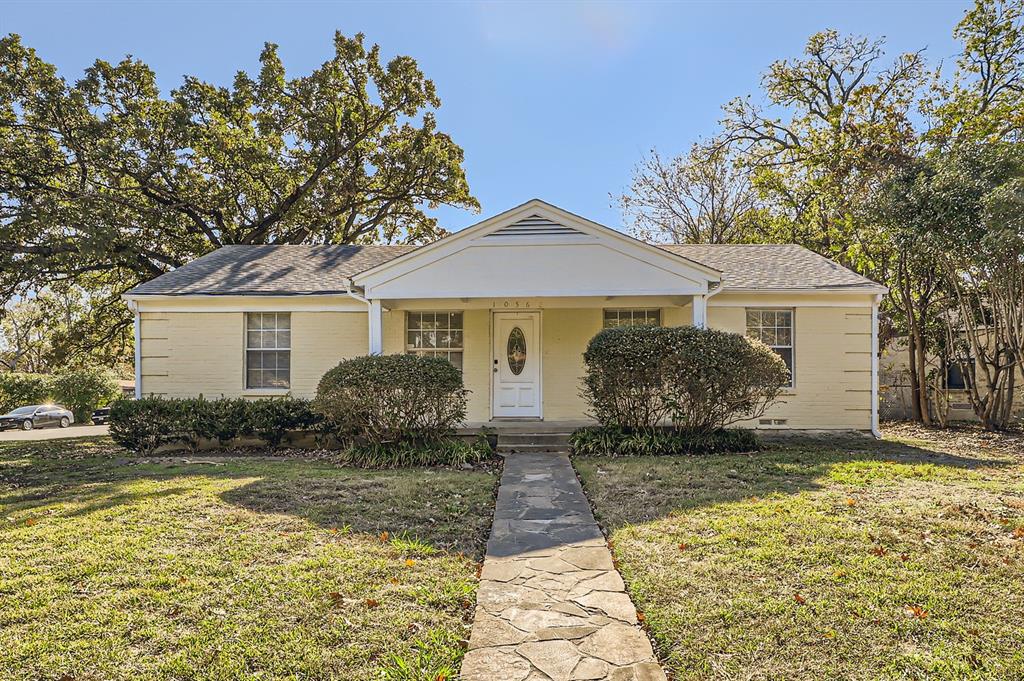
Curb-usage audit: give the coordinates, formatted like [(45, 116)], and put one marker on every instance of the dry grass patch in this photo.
[(825, 558), (232, 568)]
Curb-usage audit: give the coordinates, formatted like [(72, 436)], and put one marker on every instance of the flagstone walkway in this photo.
[(551, 605)]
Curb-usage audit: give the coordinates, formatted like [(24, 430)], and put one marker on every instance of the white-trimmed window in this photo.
[(268, 350), (437, 334), (632, 316), (774, 328)]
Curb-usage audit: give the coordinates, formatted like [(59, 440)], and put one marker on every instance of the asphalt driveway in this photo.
[(76, 430)]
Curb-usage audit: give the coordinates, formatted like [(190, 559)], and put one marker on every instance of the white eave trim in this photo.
[(332, 302)]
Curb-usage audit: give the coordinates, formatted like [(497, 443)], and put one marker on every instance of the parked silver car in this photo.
[(37, 416)]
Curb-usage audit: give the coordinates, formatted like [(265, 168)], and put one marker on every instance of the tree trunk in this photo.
[(921, 370)]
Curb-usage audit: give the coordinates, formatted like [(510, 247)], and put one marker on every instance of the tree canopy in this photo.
[(105, 182)]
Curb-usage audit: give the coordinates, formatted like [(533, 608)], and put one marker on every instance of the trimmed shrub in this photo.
[(380, 399), (612, 441), (19, 390), (144, 425), (83, 390), (699, 380), (272, 419)]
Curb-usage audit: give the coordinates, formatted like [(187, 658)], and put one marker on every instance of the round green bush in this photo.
[(392, 398), (699, 380)]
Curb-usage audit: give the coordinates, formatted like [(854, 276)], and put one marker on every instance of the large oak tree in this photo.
[(105, 181)]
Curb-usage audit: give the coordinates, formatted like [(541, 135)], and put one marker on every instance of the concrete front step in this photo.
[(531, 448), (533, 438)]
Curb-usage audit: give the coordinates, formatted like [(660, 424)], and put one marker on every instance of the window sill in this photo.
[(265, 392)]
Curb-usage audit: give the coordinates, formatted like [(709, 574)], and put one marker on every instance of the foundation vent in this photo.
[(534, 225)]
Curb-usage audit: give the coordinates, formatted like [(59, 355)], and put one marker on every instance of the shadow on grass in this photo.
[(644, 489), (442, 510)]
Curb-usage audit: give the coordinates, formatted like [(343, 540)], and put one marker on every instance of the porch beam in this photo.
[(376, 315), (700, 312)]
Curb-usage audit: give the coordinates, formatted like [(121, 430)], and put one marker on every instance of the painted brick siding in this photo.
[(187, 354), (195, 352), (832, 353), (566, 333)]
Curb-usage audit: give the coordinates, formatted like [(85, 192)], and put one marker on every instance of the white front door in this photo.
[(516, 364)]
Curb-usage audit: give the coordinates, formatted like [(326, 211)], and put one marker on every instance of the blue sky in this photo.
[(551, 100)]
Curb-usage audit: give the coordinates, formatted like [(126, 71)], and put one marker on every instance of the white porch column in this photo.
[(700, 312), (376, 328)]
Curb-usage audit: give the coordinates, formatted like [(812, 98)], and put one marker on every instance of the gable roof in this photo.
[(283, 270), (775, 267), (295, 270)]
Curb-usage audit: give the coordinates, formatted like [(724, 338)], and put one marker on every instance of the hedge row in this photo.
[(80, 390), (612, 441), (143, 425)]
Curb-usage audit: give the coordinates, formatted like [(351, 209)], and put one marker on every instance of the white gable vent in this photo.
[(534, 225)]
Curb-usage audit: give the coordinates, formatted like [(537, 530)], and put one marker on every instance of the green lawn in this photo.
[(834, 559), (113, 567)]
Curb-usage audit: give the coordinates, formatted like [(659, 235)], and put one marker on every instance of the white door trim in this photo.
[(539, 324)]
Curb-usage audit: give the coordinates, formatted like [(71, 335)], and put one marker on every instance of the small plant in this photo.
[(613, 441), (439, 452), (435, 657)]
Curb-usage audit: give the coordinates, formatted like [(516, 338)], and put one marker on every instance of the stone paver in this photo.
[(551, 606)]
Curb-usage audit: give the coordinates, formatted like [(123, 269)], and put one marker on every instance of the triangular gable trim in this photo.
[(537, 215)]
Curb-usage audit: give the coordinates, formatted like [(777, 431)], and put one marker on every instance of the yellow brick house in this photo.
[(512, 301)]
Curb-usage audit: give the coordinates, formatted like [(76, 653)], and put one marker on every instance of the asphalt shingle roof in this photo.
[(772, 266), (307, 270), (270, 270)]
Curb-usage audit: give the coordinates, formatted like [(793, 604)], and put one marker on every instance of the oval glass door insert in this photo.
[(516, 351)]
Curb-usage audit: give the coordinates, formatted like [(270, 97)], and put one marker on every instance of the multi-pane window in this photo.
[(632, 317), (268, 343), (956, 378), (774, 328), (435, 333)]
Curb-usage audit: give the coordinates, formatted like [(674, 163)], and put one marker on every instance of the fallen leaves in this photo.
[(384, 536), (409, 562), (879, 551), (915, 611), (682, 546), (800, 600)]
